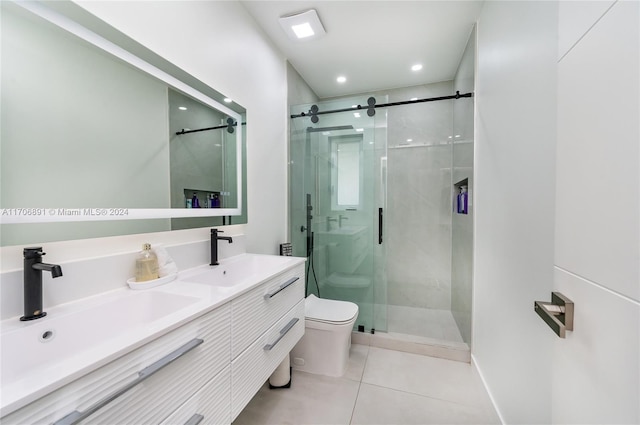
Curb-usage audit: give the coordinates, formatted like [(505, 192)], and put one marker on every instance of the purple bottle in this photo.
[(464, 198)]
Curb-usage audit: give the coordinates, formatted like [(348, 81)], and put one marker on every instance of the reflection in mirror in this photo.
[(82, 129), (203, 154), (346, 172)]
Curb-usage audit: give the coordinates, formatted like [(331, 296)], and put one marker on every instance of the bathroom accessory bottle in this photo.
[(463, 199), (194, 201), (146, 264), (459, 201)]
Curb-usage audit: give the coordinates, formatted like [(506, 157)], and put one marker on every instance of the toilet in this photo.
[(324, 348)]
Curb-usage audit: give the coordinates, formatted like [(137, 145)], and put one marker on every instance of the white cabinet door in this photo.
[(257, 310), (173, 368), (252, 368)]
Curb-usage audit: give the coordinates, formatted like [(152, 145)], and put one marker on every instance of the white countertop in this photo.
[(44, 377)]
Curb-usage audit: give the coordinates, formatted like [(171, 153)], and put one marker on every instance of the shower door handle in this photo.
[(380, 226)]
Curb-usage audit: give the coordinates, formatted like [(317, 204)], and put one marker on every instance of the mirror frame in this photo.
[(169, 74)]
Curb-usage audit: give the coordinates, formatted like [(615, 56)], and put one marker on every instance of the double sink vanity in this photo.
[(195, 350)]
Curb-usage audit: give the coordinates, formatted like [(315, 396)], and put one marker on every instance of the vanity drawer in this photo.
[(210, 405), (254, 366), (174, 367), (257, 310)]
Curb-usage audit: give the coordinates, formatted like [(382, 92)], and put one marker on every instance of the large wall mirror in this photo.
[(101, 137)]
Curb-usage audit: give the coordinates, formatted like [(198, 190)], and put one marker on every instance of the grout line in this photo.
[(473, 406), (359, 386), (587, 31), (599, 286)]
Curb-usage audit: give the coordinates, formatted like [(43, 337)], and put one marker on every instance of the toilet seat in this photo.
[(331, 312)]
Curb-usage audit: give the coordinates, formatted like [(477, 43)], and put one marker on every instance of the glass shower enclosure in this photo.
[(337, 204), (374, 206)]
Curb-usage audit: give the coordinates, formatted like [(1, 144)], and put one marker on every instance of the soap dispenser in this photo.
[(146, 264)]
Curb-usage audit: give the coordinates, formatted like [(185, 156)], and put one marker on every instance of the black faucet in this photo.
[(33, 267), (214, 245)]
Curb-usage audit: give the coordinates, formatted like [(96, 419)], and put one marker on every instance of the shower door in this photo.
[(336, 192)]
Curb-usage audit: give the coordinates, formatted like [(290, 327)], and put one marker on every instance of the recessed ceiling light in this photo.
[(182, 108), (360, 129), (414, 98), (356, 114), (226, 99), (341, 79), (416, 67), (303, 26), (303, 30)]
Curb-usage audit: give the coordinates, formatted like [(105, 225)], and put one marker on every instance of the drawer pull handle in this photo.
[(75, 416), (194, 420), (283, 332), (281, 288)]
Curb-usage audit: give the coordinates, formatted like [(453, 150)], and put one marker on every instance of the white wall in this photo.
[(514, 204), (597, 249), (220, 44), (593, 375), (298, 92)]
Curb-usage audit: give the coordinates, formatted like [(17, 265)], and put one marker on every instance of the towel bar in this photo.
[(558, 314)]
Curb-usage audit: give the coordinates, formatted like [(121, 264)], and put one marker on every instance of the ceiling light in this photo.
[(303, 26), (356, 114), (360, 129), (182, 108), (226, 99), (341, 79), (416, 67), (414, 98), (303, 30)]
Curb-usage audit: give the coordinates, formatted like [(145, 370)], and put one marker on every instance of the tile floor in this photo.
[(424, 322), (380, 387)]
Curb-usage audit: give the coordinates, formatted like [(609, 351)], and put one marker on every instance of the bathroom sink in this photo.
[(42, 347), (237, 271)]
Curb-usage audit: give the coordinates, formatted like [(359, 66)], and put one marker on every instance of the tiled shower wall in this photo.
[(418, 217)]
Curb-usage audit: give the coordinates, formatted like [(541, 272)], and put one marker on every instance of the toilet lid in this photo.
[(329, 310)]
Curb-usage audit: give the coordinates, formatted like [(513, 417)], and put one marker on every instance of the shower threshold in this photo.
[(458, 351)]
